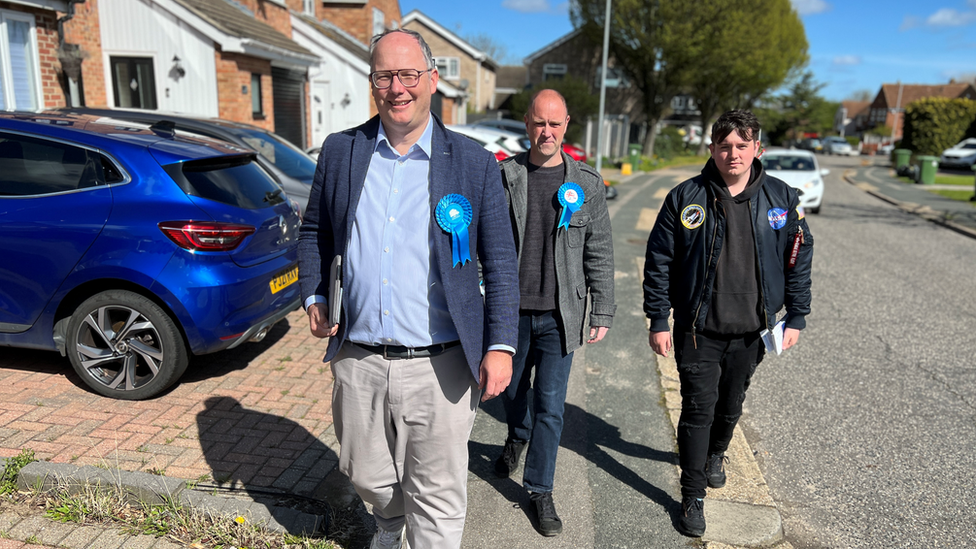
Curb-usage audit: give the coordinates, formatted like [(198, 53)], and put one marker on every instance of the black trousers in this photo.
[(714, 375)]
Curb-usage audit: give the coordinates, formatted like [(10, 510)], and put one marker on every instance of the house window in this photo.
[(379, 22), (133, 82), (448, 67), (615, 79), (18, 64), (308, 6), (553, 71), (257, 103)]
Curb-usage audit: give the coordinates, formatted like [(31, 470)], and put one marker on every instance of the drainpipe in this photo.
[(70, 56)]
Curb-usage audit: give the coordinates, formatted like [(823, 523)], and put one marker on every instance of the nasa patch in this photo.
[(799, 212), (777, 218), (693, 216)]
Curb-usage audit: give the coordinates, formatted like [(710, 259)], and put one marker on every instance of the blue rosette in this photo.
[(453, 214), (571, 197)]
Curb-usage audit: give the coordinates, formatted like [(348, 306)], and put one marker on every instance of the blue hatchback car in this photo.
[(128, 249)]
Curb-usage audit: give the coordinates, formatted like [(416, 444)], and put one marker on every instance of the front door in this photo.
[(321, 112)]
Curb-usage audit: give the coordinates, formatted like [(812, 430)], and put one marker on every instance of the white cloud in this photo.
[(809, 7), (527, 6), (948, 17), (847, 60)]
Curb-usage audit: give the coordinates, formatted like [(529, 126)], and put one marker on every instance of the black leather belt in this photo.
[(399, 351)]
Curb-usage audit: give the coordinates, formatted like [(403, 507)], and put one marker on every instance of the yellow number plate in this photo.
[(282, 281)]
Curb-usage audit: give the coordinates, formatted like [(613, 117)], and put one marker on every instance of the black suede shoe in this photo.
[(509, 460), (545, 512), (715, 470), (692, 520)]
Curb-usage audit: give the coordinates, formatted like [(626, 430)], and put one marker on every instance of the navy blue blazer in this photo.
[(458, 165)]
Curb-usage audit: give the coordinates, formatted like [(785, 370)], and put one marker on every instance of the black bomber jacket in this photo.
[(683, 250)]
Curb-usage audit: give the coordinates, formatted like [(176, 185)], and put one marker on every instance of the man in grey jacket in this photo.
[(565, 248)]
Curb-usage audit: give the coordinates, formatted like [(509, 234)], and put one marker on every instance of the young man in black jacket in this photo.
[(729, 249)]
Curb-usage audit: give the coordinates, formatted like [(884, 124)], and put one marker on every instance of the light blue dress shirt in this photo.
[(391, 287)]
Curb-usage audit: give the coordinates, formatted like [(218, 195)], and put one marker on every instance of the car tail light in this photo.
[(205, 236), (501, 155)]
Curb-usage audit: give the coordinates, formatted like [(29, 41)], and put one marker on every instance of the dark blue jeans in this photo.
[(714, 376), (539, 347)]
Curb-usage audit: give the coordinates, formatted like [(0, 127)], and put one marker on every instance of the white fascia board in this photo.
[(277, 56), (416, 15), (54, 5), (304, 28), (449, 90)]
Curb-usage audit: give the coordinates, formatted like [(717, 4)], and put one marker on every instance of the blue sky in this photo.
[(854, 44)]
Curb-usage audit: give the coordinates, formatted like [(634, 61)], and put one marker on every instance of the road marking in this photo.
[(661, 194), (645, 221)]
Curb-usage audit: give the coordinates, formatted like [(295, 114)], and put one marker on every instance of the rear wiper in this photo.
[(273, 197)]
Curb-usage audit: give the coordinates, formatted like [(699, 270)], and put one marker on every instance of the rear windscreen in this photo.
[(238, 181)]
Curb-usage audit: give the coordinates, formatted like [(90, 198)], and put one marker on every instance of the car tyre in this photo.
[(125, 346)]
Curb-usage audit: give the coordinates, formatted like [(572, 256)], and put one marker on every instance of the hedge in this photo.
[(934, 124)]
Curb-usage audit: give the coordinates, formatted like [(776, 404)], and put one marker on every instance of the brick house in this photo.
[(572, 55), (852, 117), (888, 106), (458, 62), (279, 64)]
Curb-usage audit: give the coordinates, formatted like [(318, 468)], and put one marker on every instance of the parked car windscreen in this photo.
[(238, 181), (285, 156), (787, 162)]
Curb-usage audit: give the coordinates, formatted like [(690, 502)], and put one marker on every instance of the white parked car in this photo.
[(960, 156), (800, 170), (512, 141), (490, 141), (838, 145)]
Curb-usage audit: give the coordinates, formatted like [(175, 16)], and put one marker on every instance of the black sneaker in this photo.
[(545, 512), (692, 520), (508, 462), (715, 470)]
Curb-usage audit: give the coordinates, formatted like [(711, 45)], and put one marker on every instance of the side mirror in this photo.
[(824, 172)]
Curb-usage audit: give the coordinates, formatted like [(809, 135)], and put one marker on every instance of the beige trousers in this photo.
[(403, 427)]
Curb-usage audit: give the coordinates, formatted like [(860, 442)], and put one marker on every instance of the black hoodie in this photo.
[(735, 307)]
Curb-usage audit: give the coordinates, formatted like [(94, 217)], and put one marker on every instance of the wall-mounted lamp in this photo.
[(177, 71), (345, 101)]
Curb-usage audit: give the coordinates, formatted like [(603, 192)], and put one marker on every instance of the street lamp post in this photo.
[(603, 91)]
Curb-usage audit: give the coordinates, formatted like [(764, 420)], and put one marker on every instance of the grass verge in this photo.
[(108, 507)]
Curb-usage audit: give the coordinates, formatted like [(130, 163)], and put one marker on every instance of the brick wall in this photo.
[(468, 69), (233, 73), (358, 20), (583, 62), (84, 29), (46, 27)]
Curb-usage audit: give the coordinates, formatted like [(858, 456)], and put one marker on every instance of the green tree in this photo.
[(734, 68), (804, 110), (582, 104), (649, 41)]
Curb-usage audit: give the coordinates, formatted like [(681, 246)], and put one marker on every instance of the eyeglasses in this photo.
[(408, 77)]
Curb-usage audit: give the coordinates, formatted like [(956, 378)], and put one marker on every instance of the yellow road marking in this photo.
[(645, 221)]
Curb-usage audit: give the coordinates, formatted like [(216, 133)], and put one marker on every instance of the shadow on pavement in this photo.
[(592, 444), (273, 460)]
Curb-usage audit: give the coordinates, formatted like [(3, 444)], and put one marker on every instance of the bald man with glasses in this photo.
[(411, 208)]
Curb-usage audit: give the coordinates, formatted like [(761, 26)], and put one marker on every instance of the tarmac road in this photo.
[(865, 431)]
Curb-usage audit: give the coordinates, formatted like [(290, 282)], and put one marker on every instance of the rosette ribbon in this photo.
[(571, 198), (453, 214)]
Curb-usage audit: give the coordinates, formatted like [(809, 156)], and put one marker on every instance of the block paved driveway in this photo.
[(255, 416)]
